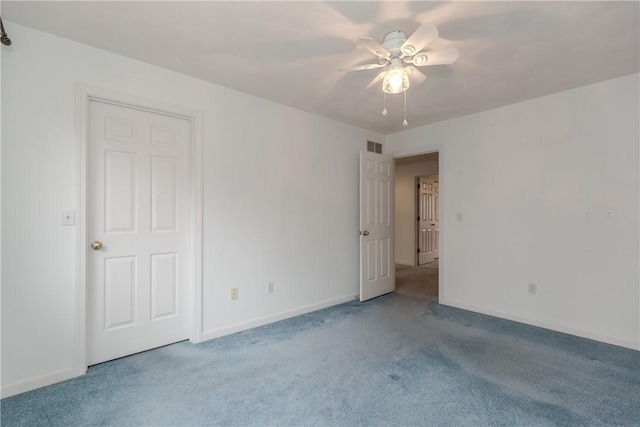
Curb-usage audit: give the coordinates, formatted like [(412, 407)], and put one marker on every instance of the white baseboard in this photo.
[(67, 374), (261, 321), (409, 263), (622, 342), (37, 382)]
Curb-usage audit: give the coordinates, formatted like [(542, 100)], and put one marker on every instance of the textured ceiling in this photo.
[(291, 52)]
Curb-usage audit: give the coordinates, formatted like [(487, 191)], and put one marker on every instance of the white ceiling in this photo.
[(290, 52)]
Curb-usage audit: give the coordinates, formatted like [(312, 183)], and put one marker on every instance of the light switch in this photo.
[(68, 217), (459, 217)]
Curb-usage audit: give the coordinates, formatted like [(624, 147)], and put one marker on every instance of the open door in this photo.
[(377, 259)]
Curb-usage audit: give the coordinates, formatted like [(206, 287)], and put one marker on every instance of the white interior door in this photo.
[(138, 199), (436, 217), (428, 221), (377, 262)]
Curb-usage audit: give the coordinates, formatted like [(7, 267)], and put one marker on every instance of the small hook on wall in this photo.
[(4, 39)]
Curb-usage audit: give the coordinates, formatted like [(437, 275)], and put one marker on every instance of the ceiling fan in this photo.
[(400, 55)]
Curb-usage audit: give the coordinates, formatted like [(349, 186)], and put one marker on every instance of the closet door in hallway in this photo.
[(428, 221)]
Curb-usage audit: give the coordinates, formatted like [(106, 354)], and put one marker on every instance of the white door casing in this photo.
[(138, 202), (428, 221), (377, 259)]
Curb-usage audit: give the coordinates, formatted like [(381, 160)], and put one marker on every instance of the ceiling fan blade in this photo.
[(436, 57), (363, 67), (377, 79), (375, 47), (416, 76), (419, 39)]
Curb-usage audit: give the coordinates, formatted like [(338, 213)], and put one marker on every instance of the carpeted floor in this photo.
[(419, 282), (392, 361)]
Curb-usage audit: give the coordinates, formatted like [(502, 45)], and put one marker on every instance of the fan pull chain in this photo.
[(384, 104), (405, 122)]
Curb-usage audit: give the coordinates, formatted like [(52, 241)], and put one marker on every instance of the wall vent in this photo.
[(374, 147)]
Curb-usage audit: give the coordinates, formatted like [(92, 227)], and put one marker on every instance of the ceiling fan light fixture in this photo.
[(399, 56), (420, 59), (396, 80), (408, 49)]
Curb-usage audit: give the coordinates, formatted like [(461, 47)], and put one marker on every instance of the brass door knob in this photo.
[(365, 233), (96, 245)]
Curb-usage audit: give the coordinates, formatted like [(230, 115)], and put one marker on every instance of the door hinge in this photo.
[(418, 250), (418, 218)]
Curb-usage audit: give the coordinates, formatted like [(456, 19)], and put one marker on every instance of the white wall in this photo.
[(407, 169), (523, 176), (1, 54), (280, 200)]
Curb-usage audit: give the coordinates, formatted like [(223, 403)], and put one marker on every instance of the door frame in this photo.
[(83, 96), (440, 149)]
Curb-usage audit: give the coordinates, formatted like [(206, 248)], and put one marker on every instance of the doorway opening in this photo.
[(417, 226)]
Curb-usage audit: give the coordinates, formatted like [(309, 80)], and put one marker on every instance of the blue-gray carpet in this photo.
[(392, 361)]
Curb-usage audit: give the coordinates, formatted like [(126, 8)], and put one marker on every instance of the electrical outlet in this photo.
[(270, 288), (234, 293), (533, 288)]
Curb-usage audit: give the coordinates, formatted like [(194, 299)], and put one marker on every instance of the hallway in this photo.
[(418, 282)]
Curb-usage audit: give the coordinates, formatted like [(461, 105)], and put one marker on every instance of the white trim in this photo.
[(79, 359), (403, 262), (84, 94), (417, 152), (37, 382), (197, 176), (261, 321), (622, 342)]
